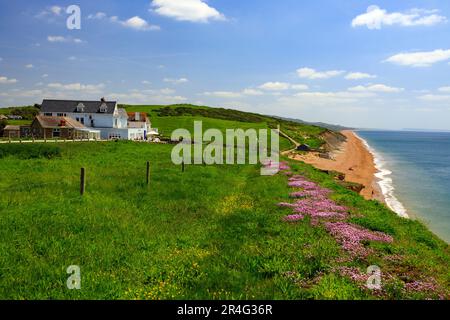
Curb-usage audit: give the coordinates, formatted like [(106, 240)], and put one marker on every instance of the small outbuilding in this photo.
[(61, 128), (11, 131), (303, 147)]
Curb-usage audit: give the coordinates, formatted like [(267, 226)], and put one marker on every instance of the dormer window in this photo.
[(80, 107), (103, 108)]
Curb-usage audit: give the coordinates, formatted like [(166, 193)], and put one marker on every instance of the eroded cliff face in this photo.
[(333, 140)]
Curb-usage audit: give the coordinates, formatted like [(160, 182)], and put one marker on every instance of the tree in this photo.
[(3, 124)]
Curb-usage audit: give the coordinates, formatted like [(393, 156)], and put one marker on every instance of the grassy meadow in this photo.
[(212, 232)]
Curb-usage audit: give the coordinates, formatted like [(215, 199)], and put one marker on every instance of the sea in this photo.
[(414, 174)]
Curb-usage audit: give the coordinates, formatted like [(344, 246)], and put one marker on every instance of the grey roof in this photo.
[(70, 106)]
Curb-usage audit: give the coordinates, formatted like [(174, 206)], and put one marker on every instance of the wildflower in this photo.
[(293, 218), (350, 237)]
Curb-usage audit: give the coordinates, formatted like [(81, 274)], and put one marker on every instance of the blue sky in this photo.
[(379, 64)]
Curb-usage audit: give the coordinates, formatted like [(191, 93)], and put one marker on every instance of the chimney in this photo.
[(137, 116)]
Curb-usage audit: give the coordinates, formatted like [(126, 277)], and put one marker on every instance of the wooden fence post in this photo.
[(82, 181), (182, 166), (148, 172)]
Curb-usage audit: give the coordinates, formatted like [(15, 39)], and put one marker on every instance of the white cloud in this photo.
[(45, 75), (167, 91), (56, 10), (88, 88), (146, 82), (139, 24), (98, 16), (249, 92), (187, 10), (359, 76), (136, 96), (176, 81), (310, 73), (1, 59), (376, 18), (49, 12), (6, 80), (282, 86), (444, 89), (252, 92), (23, 93), (224, 94), (376, 88), (275, 86), (435, 98), (56, 39), (60, 39), (420, 59), (324, 99), (29, 66), (136, 22), (299, 87)]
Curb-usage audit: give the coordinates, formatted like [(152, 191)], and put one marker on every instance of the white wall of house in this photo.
[(120, 122), (122, 134)]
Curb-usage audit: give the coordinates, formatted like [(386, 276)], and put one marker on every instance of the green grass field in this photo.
[(212, 232)]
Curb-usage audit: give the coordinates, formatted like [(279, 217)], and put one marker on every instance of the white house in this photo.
[(102, 115)]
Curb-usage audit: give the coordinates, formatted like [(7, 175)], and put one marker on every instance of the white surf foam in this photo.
[(385, 182)]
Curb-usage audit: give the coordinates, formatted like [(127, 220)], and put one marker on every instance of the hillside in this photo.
[(169, 118), (212, 232)]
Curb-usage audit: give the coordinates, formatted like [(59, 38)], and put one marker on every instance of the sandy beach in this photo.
[(354, 160)]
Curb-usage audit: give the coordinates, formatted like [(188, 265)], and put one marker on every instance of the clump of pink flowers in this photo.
[(281, 166), (350, 237), (293, 218), (422, 286), (313, 201), (284, 166), (354, 274), (316, 193)]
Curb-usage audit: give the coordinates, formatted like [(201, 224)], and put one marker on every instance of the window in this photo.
[(61, 115), (80, 107), (80, 120), (114, 136), (56, 133), (48, 114), (103, 108)]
